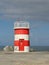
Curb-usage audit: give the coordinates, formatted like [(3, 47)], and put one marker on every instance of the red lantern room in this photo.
[(21, 36)]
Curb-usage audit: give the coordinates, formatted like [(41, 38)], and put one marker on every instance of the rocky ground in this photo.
[(31, 58)]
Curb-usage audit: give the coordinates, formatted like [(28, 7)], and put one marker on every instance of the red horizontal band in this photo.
[(21, 31), (26, 43)]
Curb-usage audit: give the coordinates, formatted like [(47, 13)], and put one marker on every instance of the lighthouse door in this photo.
[(21, 45)]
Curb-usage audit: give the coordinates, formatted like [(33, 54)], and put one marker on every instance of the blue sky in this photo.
[(36, 12)]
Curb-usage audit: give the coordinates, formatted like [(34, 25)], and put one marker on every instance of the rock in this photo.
[(32, 50), (8, 48), (11, 48)]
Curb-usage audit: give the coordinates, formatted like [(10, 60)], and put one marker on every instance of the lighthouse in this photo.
[(21, 36)]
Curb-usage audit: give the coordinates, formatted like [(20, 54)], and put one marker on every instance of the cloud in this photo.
[(27, 9)]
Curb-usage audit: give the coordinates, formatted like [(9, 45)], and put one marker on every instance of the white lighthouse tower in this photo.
[(21, 36)]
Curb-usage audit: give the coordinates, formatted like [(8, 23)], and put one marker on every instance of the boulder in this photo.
[(32, 50), (8, 48)]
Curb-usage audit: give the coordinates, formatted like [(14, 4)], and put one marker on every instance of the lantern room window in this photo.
[(21, 24)]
